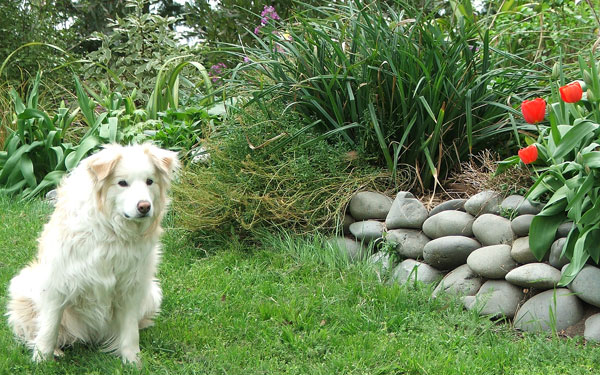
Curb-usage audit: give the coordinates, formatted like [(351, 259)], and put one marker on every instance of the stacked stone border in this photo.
[(472, 249)]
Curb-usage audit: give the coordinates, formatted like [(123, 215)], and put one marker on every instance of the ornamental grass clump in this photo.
[(566, 167), (385, 76)]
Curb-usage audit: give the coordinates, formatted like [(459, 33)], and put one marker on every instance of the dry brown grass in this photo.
[(477, 175)]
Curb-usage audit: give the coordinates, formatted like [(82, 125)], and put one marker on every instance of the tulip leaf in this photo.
[(542, 232), (591, 159), (575, 135)]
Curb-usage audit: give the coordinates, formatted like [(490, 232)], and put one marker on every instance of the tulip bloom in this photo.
[(533, 110), (528, 154), (571, 93)]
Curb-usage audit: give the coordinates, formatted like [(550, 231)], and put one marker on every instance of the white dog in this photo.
[(94, 277)]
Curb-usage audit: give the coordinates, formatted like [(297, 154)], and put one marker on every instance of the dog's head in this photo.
[(131, 182)]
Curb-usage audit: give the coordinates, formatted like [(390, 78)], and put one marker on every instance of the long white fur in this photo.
[(94, 276)]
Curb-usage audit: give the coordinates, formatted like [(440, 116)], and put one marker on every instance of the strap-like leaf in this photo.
[(572, 138), (542, 233)]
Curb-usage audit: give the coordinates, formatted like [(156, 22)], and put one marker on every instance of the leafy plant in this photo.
[(567, 170), (135, 49), (405, 85), (36, 156)]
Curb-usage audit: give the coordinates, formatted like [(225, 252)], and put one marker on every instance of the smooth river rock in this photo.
[(521, 252), (406, 213), (367, 230), (556, 249), (411, 270), (534, 275), (449, 223), (520, 225), (453, 204), (485, 202), (556, 308), (409, 242), (592, 328), (586, 285), (520, 204), (564, 229), (461, 281), (492, 229), (492, 262), (449, 252), (348, 248), (369, 205), (496, 298)]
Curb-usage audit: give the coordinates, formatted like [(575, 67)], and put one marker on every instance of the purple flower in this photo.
[(216, 71), (247, 59), (267, 14)]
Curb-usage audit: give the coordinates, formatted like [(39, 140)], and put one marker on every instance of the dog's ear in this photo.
[(102, 164), (165, 161)]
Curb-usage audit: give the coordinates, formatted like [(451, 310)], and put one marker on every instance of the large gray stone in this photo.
[(496, 298), (555, 251), (534, 275), (492, 229), (553, 309), (409, 242), (449, 223), (485, 202), (449, 252), (492, 262), (586, 285), (406, 213), (592, 328), (521, 252), (367, 230), (521, 205), (369, 205), (520, 225), (461, 281), (411, 270), (453, 204), (564, 229), (348, 248)]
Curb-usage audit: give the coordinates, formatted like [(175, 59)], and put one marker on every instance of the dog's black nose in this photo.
[(143, 207)]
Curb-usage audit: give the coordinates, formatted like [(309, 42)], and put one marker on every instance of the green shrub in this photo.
[(408, 86), (250, 183)]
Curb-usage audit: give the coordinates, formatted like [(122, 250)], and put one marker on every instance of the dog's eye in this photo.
[(149, 182), (123, 183)]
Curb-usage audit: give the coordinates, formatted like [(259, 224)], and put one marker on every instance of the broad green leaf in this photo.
[(84, 147), (573, 137), (84, 103), (591, 159), (542, 233), (578, 260), (26, 167), (50, 180)]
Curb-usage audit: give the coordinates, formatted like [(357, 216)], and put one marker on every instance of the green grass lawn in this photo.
[(288, 306)]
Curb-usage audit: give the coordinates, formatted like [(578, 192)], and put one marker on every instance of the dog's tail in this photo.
[(21, 310)]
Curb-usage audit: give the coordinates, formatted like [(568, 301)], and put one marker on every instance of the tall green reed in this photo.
[(407, 86)]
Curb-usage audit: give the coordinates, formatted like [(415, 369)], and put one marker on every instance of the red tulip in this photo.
[(528, 154), (571, 93), (533, 110)]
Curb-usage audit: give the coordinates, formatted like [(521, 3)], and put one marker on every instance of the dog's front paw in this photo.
[(131, 356), (40, 355)]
